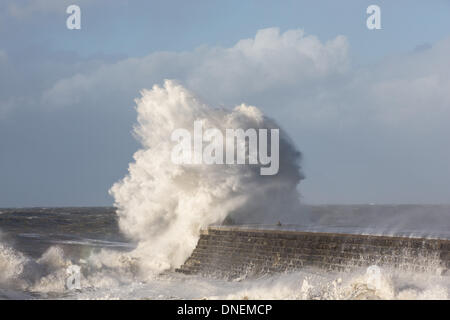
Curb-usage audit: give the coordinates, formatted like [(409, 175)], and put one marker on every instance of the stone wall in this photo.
[(233, 252)]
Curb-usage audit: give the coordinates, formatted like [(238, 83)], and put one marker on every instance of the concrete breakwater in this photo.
[(232, 252)]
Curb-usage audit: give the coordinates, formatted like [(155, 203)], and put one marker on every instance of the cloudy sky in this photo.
[(369, 109)]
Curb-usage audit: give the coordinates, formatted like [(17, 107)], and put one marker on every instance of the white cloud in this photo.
[(404, 91), (291, 75), (270, 61), (383, 129)]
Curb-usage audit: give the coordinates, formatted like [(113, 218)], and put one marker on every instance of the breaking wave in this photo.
[(163, 205)]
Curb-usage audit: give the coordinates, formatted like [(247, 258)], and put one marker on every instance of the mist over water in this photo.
[(410, 220)]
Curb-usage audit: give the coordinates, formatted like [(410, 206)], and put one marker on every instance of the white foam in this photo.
[(163, 205), (305, 284)]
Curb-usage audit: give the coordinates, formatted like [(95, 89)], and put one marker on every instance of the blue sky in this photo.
[(372, 123), (136, 28)]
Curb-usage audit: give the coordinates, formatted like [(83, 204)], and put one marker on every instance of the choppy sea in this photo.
[(38, 246)]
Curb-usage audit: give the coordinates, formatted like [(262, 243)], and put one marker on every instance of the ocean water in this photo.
[(40, 246)]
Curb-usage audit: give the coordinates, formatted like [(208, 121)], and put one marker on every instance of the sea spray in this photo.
[(163, 205), (11, 264)]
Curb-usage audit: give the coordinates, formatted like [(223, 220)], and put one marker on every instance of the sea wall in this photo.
[(231, 252)]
